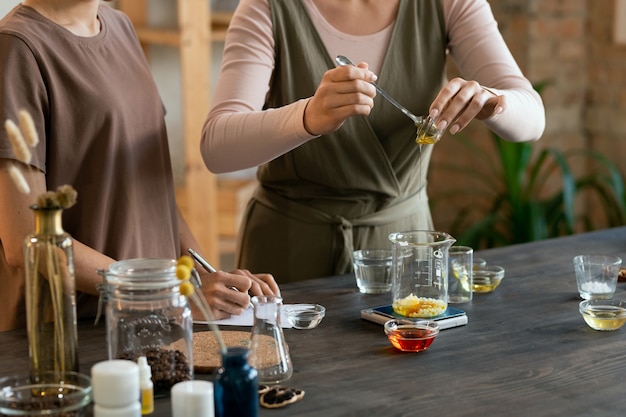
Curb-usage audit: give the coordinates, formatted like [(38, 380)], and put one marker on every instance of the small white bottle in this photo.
[(146, 386), (115, 387)]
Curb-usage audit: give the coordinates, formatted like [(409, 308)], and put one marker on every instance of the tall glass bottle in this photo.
[(269, 351), (50, 295), (236, 388)]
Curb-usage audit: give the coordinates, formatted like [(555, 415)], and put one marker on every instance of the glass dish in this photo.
[(23, 395), (603, 314), (486, 278), (304, 316), (411, 335)]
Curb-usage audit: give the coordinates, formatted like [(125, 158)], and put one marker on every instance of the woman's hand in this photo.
[(343, 92), (460, 101), (219, 290)]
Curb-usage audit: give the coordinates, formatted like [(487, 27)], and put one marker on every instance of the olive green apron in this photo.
[(350, 189)]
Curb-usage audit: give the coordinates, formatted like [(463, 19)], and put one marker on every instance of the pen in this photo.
[(208, 267), (196, 256)]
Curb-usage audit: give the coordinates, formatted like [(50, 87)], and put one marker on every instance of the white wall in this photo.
[(7, 5)]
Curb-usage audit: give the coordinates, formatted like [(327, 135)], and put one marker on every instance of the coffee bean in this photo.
[(169, 367)]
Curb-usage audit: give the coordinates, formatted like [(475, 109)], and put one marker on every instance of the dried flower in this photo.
[(20, 149), (19, 180), (183, 272), (48, 200), (28, 129), (66, 194), (64, 197), (21, 138)]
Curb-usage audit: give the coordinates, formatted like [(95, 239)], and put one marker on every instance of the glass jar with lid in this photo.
[(146, 315)]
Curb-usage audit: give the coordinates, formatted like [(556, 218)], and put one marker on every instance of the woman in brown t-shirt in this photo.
[(79, 70)]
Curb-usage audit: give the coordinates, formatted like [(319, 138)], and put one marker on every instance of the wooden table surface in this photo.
[(526, 350)]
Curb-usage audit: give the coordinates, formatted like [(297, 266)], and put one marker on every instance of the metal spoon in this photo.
[(427, 131), (342, 60)]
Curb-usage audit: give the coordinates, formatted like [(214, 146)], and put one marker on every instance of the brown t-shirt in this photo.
[(102, 130)]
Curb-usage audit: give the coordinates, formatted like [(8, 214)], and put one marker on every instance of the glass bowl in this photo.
[(304, 316), (25, 395), (411, 335), (603, 314), (486, 278)]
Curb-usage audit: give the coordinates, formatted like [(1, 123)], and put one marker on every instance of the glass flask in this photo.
[(236, 387), (50, 296), (146, 315), (419, 285), (269, 351)]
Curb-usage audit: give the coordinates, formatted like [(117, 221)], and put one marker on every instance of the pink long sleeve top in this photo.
[(231, 137)]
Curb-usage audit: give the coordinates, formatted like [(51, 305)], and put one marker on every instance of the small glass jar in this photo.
[(147, 316)]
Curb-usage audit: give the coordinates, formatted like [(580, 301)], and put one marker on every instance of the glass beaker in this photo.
[(419, 272), (269, 351)]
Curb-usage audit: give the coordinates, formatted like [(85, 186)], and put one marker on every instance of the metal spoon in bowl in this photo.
[(427, 132)]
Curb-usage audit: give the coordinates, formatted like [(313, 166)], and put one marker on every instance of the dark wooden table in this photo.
[(525, 352)]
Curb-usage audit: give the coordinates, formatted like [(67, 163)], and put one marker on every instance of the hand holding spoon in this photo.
[(427, 131)]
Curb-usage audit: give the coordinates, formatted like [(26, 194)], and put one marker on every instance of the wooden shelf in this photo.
[(196, 29), (171, 36)]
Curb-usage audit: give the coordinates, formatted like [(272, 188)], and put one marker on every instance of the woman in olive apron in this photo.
[(351, 188)]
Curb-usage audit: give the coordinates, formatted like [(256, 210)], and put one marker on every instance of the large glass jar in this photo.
[(147, 316)]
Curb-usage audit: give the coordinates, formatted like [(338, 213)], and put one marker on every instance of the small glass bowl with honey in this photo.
[(411, 335), (603, 315), (486, 278), (427, 131)]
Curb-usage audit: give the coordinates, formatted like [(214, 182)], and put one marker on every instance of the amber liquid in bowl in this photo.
[(409, 338)]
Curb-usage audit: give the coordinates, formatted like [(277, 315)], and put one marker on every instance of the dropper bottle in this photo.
[(146, 386)]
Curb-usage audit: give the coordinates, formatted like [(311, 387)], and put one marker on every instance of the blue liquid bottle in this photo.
[(236, 386)]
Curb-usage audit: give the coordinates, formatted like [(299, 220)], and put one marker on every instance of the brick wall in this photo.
[(568, 44)]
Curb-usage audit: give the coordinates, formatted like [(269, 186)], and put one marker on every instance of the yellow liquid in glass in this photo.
[(461, 274), (428, 136), (426, 139), (484, 285), (605, 319)]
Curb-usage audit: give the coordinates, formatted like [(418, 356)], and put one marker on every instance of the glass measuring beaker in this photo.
[(269, 350), (419, 272)]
